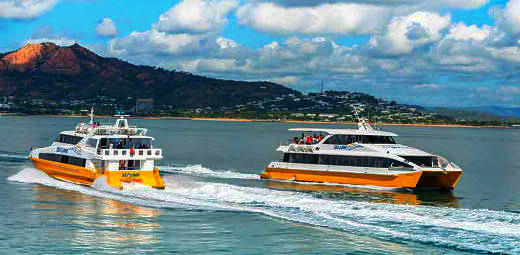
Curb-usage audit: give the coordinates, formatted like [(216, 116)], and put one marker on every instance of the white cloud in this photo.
[(510, 54), (424, 4), (196, 16), (61, 41), (339, 18), (25, 9), (156, 42), (286, 80), (226, 43), (462, 4), (460, 31), (509, 17), (405, 33), (427, 87), (106, 28)]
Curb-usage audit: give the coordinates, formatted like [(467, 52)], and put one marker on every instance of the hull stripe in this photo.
[(403, 180)]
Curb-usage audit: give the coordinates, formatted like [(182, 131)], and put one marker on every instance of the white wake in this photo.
[(465, 229)]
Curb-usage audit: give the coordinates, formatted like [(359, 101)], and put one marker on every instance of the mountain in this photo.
[(478, 113), (497, 110), (47, 71)]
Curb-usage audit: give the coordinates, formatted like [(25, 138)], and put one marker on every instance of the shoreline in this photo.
[(273, 121), (350, 123)]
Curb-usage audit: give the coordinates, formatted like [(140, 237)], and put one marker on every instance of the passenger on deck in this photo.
[(320, 137), (111, 145), (309, 140)]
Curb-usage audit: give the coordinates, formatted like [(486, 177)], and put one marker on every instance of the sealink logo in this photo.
[(347, 147), (130, 175), (66, 150)]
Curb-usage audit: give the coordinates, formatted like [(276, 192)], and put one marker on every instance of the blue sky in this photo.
[(433, 53)]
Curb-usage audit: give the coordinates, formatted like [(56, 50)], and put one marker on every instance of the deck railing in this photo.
[(126, 153)]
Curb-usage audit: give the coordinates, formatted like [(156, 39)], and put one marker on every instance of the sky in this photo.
[(453, 53)]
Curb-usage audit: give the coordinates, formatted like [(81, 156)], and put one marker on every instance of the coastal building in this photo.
[(328, 115), (143, 105)]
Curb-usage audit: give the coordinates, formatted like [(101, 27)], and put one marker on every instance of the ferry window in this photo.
[(91, 142), (372, 139), (331, 140), (134, 165), (313, 159), (103, 143), (68, 139), (340, 161), (285, 157), (343, 139), (325, 160), (380, 162), (139, 143), (399, 164), (359, 161), (63, 159), (300, 158), (420, 160)]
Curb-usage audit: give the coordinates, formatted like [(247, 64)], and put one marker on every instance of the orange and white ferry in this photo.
[(362, 156), (119, 152)]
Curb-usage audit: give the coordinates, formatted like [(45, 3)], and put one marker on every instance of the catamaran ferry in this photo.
[(119, 152), (362, 156)]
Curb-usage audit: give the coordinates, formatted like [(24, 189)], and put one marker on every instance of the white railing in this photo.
[(301, 148), (126, 154)]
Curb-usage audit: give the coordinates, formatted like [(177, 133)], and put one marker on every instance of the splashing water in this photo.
[(462, 229), (199, 170)]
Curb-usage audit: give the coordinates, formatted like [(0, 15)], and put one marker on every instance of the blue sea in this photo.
[(215, 203)]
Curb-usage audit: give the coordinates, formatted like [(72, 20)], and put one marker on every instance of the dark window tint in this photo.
[(92, 142), (339, 160), (126, 143), (368, 139), (63, 159), (398, 164), (68, 139), (426, 161)]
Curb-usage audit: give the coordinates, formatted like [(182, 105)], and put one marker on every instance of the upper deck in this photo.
[(371, 132), (362, 141), (118, 141)]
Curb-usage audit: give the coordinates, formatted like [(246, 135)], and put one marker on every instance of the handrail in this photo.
[(137, 152)]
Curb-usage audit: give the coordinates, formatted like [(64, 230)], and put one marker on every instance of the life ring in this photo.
[(122, 164)]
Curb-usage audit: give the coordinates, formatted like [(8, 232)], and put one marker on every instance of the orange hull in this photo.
[(65, 172), (81, 175), (438, 179), (403, 180)]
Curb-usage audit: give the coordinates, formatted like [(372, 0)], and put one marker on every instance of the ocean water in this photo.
[(215, 203)]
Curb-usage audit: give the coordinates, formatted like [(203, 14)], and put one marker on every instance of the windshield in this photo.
[(424, 161), (69, 139)]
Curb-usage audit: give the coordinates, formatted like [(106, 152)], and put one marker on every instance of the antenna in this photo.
[(321, 87), (362, 122), (91, 115)]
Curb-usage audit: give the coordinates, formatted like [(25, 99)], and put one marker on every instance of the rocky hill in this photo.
[(49, 72)]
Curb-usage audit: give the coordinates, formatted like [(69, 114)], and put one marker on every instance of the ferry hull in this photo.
[(402, 180), (439, 179), (65, 172), (81, 175)]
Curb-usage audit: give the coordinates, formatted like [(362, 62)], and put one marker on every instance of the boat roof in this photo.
[(344, 131)]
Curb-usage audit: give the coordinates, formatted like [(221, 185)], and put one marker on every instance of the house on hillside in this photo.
[(143, 105)]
